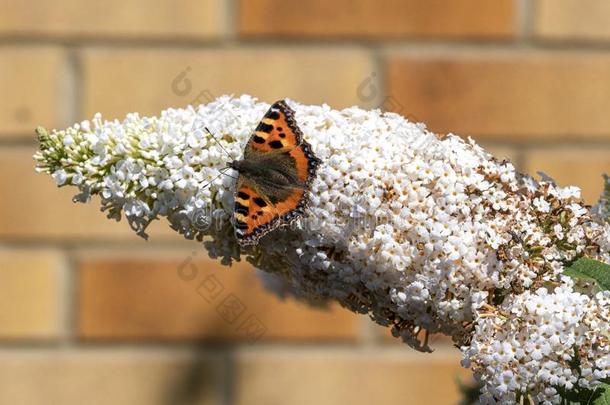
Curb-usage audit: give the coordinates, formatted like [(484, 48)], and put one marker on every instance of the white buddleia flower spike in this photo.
[(426, 234)]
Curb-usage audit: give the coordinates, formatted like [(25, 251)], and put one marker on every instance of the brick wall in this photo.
[(89, 313)]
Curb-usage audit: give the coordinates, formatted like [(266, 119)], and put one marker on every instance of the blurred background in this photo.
[(90, 313)]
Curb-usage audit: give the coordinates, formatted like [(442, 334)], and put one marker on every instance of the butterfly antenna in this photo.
[(223, 171), (220, 173), (218, 142)]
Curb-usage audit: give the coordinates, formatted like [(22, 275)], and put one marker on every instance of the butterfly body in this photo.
[(275, 175)]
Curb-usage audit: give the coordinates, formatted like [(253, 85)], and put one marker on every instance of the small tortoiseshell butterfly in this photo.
[(275, 175)]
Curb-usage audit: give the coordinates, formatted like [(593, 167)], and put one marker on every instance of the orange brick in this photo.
[(192, 298), (573, 19), (35, 208), (321, 377), (117, 82), (166, 19), (371, 19), (30, 82), (110, 376), (508, 96), (30, 294), (575, 166)]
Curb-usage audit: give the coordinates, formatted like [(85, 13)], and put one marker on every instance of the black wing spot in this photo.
[(264, 127), (241, 209), (259, 213), (260, 202), (282, 135), (276, 144), (274, 115), (258, 139), (241, 225), (242, 195)]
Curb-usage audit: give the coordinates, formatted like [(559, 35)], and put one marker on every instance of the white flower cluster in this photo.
[(540, 342), (425, 234)]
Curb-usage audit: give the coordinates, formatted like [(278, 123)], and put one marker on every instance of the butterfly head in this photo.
[(235, 165), (247, 167)]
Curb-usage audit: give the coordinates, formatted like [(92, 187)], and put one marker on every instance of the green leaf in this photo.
[(582, 396), (604, 397), (589, 269)]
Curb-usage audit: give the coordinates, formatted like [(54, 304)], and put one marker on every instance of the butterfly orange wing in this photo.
[(255, 214), (277, 131)]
